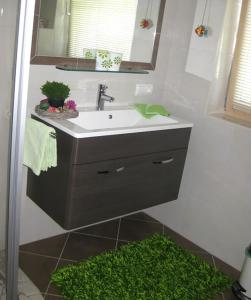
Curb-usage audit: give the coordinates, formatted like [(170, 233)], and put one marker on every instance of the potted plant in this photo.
[(56, 92)]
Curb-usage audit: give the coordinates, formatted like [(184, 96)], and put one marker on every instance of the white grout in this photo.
[(116, 246), (61, 253), (214, 262), (95, 235)]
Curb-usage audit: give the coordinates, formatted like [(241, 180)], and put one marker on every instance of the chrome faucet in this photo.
[(102, 97)]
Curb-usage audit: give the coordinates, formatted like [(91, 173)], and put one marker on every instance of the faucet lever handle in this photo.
[(103, 87)]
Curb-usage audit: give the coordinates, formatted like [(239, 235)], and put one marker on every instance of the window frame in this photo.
[(229, 107)]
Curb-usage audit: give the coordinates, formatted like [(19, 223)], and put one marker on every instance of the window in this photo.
[(92, 26), (239, 93)]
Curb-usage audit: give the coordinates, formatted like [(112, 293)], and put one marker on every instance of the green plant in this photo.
[(153, 269), (55, 90)]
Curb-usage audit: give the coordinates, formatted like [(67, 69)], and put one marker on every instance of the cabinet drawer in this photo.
[(128, 145), (93, 149), (107, 189)]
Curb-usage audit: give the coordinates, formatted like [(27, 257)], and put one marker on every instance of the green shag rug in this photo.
[(152, 269)]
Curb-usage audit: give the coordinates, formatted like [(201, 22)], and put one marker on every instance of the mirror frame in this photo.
[(90, 63)]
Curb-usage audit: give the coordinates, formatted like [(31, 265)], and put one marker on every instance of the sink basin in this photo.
[(95, 120), (119, 120)]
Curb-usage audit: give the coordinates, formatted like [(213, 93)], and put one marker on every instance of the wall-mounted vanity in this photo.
[(122, 163)]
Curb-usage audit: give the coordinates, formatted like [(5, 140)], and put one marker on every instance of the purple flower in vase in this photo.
[(70, 104)]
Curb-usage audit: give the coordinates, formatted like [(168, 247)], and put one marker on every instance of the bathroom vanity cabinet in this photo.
[(103, 177)]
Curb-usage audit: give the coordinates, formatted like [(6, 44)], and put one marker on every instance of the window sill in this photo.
[(225, 116)]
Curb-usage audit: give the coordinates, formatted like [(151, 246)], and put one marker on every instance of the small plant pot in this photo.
[(56, 103)]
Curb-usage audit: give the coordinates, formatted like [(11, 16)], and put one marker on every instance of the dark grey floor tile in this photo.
[(37, 268), (181, 241), (62, 263), (141, 216), (228, 295), (120, 244), (225, 268), (80, 247), (53, 297), (219, 297), (49, 247), (204, 256), (132, 230), (107, 229)]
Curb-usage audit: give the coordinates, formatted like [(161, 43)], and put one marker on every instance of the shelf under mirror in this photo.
[(91, 69)]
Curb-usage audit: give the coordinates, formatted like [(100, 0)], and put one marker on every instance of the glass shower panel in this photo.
[(8, 24)]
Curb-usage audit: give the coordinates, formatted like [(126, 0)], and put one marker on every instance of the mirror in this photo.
[(68, 32)]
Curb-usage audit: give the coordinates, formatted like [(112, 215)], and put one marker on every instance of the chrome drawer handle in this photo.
[(162, 162), (107, 171), (103, 172)]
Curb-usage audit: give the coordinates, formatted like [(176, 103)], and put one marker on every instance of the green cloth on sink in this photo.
[(150, 110), (40, 147)]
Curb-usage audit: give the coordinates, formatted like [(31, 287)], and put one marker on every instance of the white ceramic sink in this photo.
[(119, 120), (95, 120)]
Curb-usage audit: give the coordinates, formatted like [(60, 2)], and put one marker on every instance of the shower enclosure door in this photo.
[(16, 17), (8, 25)]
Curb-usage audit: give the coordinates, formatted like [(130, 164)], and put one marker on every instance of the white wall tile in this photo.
[(213, 208)]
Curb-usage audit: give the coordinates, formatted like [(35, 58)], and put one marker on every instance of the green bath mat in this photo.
[(153, 269)]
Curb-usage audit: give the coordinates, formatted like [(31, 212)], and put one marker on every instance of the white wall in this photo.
[(35, 224), (214, 208)]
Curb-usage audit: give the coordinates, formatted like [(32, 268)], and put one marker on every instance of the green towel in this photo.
[(150, 110), (40, 148)]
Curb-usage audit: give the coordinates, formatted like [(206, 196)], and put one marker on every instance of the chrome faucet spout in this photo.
[(108, 98), (102, 97)]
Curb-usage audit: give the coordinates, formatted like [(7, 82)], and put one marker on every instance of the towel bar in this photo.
[(53, 135)]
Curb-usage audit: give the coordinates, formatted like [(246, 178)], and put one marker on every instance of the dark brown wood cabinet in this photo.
[(99, 178)]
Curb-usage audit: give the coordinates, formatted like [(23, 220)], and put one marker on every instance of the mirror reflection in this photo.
[(73, 28)]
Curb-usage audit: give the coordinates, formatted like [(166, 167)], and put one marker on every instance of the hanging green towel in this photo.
[(40, 147), (150, 110)]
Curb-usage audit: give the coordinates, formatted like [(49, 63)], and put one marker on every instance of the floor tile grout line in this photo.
[(115, 239), (214, 262), (95, 235), (60, 255), (70, 260), (140, 220), (52, 294), (222, 294), (37, 254), (116, 246)]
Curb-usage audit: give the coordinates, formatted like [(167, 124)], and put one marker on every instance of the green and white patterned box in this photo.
[(108, 61), (89, 53), (116, 59)]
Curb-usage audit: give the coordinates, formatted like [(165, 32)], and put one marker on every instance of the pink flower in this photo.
[(70, 104), (52, 109)]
